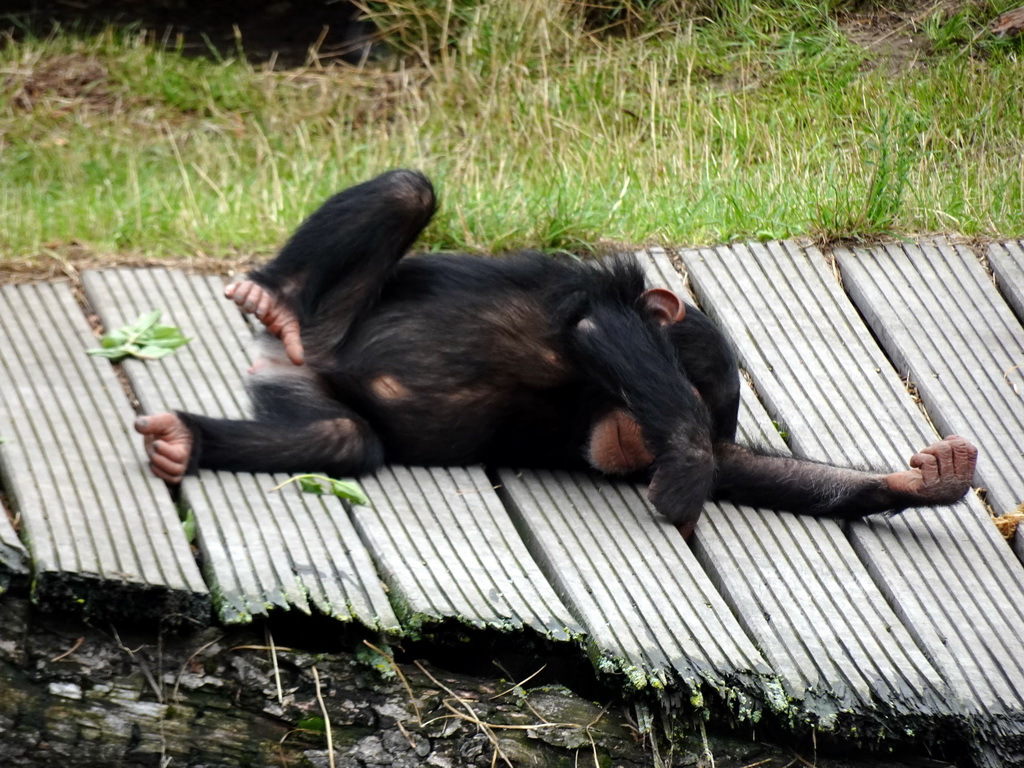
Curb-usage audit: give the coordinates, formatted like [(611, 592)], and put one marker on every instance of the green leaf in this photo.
[(111, 354), (343, 489), (144, 339), (152, 352), (145, 323), (310, 484), (188, 525), (350, 491)]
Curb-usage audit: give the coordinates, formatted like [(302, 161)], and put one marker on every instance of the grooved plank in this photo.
[(103, 535), (960, 344), (260, 550), (798, 589), (1007, 262), (651, 613), (947, 574), (447, 548), (254, 569)]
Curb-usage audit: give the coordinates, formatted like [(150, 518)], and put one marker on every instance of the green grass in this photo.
[(765, 121)]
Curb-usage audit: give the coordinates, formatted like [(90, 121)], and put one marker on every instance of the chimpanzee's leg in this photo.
[(333, 266), (940, 474)]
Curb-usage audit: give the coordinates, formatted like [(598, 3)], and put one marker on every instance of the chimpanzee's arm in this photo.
[(180, 443), (939, 474), (709, 363), (624, 352)]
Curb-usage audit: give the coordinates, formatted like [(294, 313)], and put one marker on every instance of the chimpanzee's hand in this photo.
[(679, 492)]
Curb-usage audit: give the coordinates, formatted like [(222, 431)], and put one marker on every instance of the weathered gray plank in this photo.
[(651, 613), (260, 550), (799, 591), (447, 548), (255, 568), (824, 379), (103, 535), (960, 344), (1007, 262)]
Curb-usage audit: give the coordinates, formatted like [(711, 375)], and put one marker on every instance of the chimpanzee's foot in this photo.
[(941, 472), (168, 444), (278, 319)]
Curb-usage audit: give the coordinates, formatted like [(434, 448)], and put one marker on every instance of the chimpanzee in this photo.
[(529, 361)]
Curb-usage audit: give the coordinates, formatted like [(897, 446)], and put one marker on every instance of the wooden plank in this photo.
[(103, 535), (1007, 262), (261, 550), (447, 548), (960, 344), (947, 574), (255, 568), (651, 613), (799, 590)]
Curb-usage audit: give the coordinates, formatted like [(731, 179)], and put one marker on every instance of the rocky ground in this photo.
[(88, 696)]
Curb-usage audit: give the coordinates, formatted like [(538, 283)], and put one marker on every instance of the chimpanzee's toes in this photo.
[(965, 455), (941, 473)]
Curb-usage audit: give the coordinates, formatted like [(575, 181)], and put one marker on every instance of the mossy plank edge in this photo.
[(824, 379), (650, 612), (262, 551), (14, 559), (447, 549), (73, 473)]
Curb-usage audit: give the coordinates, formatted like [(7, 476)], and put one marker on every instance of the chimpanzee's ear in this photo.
[(664, 305)]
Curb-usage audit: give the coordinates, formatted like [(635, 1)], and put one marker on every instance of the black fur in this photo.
[(437, 359)]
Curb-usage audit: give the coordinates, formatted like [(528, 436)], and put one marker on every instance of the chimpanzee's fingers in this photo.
[(292, 340), (965, 455), (168, 461), (170, 452), (275, 321), (252, 298), (927, 463), (171, 477)]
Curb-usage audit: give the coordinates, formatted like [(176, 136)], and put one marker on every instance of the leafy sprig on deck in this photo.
[(144, 339), (343, 489)]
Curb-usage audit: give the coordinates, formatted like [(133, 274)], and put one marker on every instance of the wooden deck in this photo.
[(908, 628)]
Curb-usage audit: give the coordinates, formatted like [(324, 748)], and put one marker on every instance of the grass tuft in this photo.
[(544, 124)]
